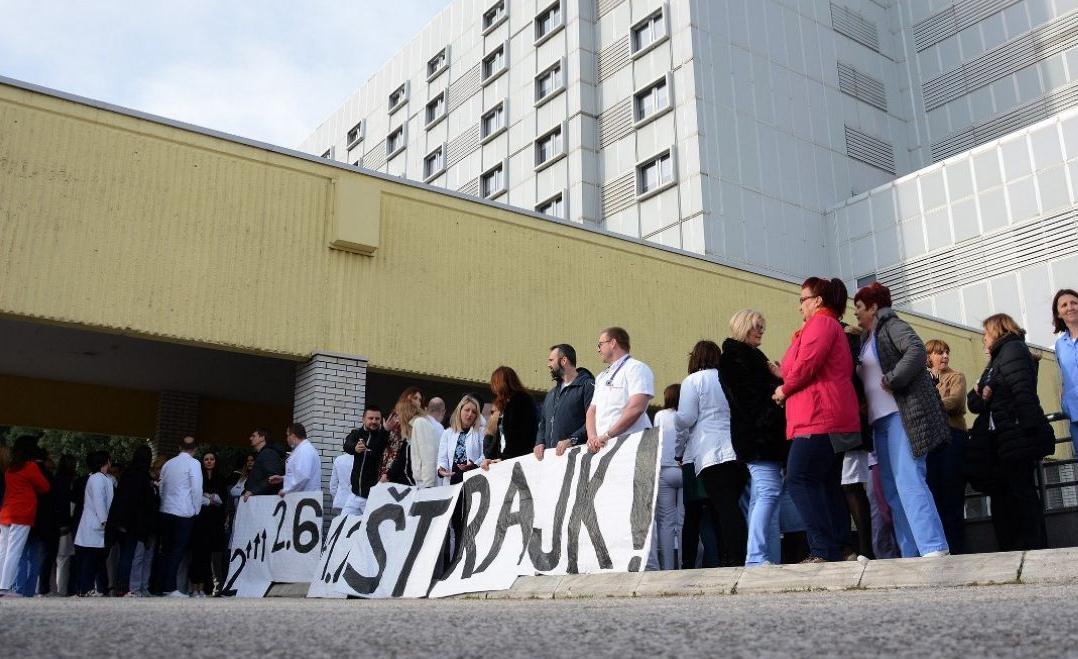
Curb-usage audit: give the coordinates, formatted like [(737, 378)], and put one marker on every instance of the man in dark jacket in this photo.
[(565, 407), (370, 441), (268, 462)]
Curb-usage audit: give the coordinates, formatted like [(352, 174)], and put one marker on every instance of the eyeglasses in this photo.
[(600, 344), (807, 297)]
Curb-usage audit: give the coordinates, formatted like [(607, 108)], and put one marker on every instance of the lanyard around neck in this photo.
[(610, 380)]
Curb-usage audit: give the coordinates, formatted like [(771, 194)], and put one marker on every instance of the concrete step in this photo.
[(1047, 566)]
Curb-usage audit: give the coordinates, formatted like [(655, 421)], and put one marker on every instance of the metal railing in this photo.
[(1057, 481)]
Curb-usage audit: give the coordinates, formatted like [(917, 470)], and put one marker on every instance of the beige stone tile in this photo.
[(965, 570), (710, 581), (800, 576)]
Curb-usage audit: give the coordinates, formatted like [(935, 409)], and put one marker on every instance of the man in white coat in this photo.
[(303, 470), (181, 501), (620, 403), (339, 481)]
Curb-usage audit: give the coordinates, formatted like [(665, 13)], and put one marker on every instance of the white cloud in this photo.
[(270, 71)]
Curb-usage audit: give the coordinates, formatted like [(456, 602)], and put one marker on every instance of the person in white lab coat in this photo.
[(90, 551), (303, 470), (339, 479)]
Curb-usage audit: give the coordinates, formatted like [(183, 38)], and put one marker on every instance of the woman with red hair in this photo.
[(907, 417), (820, 402), (514, 422)]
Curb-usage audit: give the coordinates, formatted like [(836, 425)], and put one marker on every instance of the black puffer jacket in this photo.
[(757, 424), (903, 358), (1021, 431)]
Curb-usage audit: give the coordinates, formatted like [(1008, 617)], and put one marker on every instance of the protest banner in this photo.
[(335, 549), (578, 513), (403, 535), (274, 539)]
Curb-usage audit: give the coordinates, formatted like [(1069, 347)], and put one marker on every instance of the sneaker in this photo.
[(132, 593), (861, 558), (937, 554), (93, 593), (175, 593), (814, 559), (198, 593)]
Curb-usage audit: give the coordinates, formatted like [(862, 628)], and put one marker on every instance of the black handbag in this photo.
[(845, 441)]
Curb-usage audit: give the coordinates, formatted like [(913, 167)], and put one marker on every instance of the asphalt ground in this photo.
[(1004, 621)]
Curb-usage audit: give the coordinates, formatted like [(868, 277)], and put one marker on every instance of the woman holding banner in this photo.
[(461, 445)]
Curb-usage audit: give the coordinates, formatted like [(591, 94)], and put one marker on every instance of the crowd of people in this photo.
[(853, 446)]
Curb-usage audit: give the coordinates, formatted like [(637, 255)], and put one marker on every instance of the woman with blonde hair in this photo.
[(1010, 436), (417, 431), (944, 464), (758, 430), (461, 446)]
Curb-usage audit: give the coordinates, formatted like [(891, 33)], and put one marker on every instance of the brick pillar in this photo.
[(330, 390), (177, 416)]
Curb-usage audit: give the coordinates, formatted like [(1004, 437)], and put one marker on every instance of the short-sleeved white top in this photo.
[(613, 387)]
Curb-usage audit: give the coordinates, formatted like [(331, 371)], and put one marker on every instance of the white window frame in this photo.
[(562, 130), (642, 194), (504, 104), (493, 194), (393, 107), (403, 129), (562, 196), (663, 11), (359, 129), (668, 80), (328, 154), (487, 28), (494, 75), (560, 66), (434, 73), (540, 39), (432, 121), (433, 174)]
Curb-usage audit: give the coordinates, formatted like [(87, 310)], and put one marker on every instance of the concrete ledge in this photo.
[(966, 570), (710, 581), (603, 584), (1050, 566), (288, 590), (800, 577), (529, 588)]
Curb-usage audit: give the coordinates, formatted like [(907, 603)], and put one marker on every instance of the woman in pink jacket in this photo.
[(820, 401)]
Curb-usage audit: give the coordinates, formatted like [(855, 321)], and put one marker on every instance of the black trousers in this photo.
[(1017, 512), (725, 482)]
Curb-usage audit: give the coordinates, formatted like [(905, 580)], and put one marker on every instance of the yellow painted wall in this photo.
[(119, 223)]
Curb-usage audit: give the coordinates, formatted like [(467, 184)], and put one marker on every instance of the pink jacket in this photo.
[(817, 373)]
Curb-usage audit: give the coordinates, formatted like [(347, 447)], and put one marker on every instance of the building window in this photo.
[(395, 142), (434, 163), (355, 135), (398, 98), (655, 174), (865, 280), (437, 64), (653, 100), (494, 16), (492, 182), (435, 110), (549, 147), (493, 122), (494, 64), (328, 155), (548, 22), (554, 207), (550, 82), (649, 32)]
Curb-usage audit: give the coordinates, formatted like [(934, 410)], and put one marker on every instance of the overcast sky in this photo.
[(269, 70)]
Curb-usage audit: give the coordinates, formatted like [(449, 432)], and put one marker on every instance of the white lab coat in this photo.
[(447, 446), (303, 470), (340, 480), (95, 511)]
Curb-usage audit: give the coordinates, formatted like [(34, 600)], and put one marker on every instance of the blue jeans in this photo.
[(30, 567), (175, 539), (917, 524), (814, 477), (765, 487)]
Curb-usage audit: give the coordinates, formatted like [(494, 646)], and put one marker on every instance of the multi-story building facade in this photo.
[(788, 136)]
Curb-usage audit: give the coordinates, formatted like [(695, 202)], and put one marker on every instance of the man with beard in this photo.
[(370, 441), (565, 407)]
